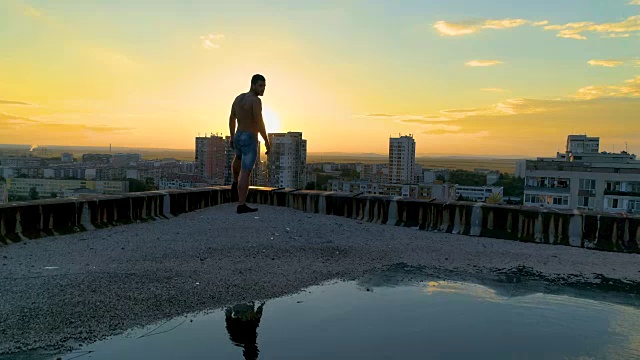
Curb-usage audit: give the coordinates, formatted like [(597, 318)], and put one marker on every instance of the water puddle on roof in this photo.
[(424, 320), (399, 313)]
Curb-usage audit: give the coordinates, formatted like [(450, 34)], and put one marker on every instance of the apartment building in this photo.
[(125, 160), (182, 181), (583, 179), (13, 171), (287, 161), (521, 169), (377, 173), (583, 144), (402, 160), (478, 193), (65, 172), (45, 187), (431, 175), (21, 161), (103, 159), (211, 158), (440, 192)]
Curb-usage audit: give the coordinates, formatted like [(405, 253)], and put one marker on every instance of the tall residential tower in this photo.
[(402, 160), (287, 161)]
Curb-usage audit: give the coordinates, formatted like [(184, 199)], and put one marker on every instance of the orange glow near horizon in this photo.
[(498, 86)]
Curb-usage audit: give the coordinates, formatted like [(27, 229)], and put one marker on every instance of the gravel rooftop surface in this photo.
[(60, 291)]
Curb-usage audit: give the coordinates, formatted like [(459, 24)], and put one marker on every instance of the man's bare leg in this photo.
[(243, 189), (235, 168), (235, 172)]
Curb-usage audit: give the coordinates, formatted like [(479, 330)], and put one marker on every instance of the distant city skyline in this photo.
[(466, 77)]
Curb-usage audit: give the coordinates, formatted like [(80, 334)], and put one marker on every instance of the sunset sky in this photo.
[(482, 77)]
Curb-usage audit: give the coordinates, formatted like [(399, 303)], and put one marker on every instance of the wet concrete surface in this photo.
[(388, 314), (60, 292)]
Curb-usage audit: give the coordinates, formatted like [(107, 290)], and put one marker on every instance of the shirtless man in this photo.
[(247, 109)]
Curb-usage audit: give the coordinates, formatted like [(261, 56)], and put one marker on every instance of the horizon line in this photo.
[(312, 153)]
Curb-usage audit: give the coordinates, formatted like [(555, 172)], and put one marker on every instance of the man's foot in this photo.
[(243, 209), (234, 191)]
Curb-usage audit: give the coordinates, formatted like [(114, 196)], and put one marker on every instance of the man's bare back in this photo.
[(248, 112)]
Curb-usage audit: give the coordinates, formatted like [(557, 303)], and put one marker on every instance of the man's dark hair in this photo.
[(256, 78)]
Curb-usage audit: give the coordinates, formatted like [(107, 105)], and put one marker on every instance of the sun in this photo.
[(271, 120)]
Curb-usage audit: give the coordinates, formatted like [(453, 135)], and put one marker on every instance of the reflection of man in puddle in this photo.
[(242, 325)]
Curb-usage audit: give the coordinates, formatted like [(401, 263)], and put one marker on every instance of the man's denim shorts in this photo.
[(245, 145)]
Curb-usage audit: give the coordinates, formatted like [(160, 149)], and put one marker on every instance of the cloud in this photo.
[(576, 30), (521, 106), (380, 115), (435, 118), (634, 2), (483, 63), (211, 41), (453, 29), (13, 119), (430, 124), (505, 108), (619, 35), (496, 90), (408, 118), (11, 102), (630, 88), (27, 125), (445, 135), (543, 122), (613, 63), (605, 63), (459, 111), (503, 24), (446, 28), (509, 107)]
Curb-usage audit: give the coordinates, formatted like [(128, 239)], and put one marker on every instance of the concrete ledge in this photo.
[(21, 221)]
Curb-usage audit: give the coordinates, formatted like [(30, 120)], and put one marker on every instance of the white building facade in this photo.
[(439, 192), (287, 160), (583, 144), (478, 193), (521, 168), (584, 180), (402, 160), (46, 187)]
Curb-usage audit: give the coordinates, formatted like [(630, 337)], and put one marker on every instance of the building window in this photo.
[(587, 184), (613, 186), (561, 200), (633, 186), (586, 202), (613, 203)]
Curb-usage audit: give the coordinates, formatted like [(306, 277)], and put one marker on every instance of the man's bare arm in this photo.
[(232, 120), (257, 116)]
